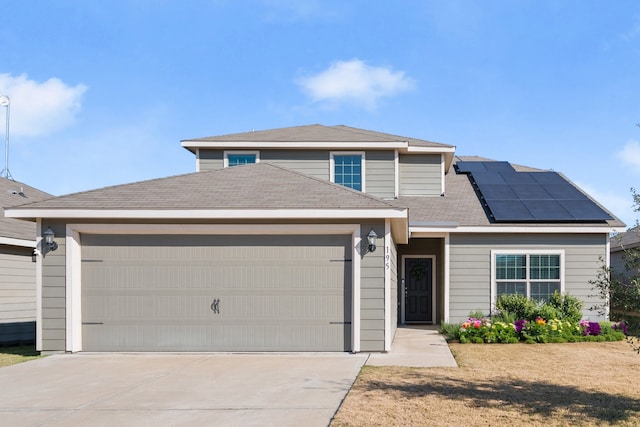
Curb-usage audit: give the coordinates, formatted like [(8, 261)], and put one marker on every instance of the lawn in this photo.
[(17, 354), (586, 384)]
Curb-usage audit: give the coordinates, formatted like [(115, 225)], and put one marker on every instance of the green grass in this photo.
[(17, 354)]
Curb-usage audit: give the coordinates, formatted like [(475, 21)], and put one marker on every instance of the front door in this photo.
[(418, 272)]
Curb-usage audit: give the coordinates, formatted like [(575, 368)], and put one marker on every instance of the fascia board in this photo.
[(298, 145), (429, 231), (17, 242), (208, 214)]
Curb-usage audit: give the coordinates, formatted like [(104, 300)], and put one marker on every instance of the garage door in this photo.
[(216, 293)]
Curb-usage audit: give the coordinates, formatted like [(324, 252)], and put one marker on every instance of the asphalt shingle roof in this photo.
[(461, 205), (256, 186), (627, 240), (14, 193), (317, 133)]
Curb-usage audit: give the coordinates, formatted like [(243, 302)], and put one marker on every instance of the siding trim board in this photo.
[(74, 255), (387, 285), (17, 242)]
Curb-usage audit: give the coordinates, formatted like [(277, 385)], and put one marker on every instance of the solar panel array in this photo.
[(513, 196)]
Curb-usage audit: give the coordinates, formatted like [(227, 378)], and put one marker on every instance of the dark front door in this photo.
[(418, 285)]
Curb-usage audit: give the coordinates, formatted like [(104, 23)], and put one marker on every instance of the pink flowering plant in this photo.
[(483, 330), (533, 323)]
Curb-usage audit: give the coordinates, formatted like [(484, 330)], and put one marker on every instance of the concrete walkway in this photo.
[(416, 346)]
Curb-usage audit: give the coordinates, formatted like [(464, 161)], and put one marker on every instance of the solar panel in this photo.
[(513, 196), (469, 167)]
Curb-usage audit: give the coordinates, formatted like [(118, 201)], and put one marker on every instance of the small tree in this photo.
[(620, 290)]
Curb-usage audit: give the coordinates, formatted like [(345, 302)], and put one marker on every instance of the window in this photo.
[(537, 275), (235, 158), (348, 169)]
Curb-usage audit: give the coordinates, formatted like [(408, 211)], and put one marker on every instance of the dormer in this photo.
[(380, 164)]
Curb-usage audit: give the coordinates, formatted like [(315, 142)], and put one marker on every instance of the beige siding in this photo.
[(372, 292), (470, 266), (420, 175), (53, 294), (380, 174)]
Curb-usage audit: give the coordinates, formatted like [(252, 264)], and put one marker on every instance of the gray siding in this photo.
[(53, 294), (309, 162), (420, 175), (470, 266), (380, 174), (379, 166), (372, 292), (17, 294), (210, 160), (617, 262)]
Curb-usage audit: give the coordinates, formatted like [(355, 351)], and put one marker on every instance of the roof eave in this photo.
[(381, 213), (192, 145)]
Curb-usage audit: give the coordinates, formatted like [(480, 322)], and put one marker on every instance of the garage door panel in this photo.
[(155, 293)]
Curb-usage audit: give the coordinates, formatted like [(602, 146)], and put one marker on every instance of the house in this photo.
[(620, 243), (309, 238), (17, 270)]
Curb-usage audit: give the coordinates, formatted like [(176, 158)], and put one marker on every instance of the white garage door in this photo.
[(216, 293)]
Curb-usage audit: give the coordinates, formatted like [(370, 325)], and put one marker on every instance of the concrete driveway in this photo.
[(177, 389)]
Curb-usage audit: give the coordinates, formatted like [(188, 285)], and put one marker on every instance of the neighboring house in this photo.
[(265, 247), (17, 269), (620, 243)]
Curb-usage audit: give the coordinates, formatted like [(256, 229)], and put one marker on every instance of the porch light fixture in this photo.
[(371, 238), (48, 239)]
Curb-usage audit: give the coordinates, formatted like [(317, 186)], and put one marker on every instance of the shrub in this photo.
[(569, 307), (451, 331), (518, 305)]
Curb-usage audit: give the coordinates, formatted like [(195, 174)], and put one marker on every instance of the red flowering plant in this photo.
[(483, 330)]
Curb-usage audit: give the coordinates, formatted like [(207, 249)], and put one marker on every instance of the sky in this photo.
[(102, 92)]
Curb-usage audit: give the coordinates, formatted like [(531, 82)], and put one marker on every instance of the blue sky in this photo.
[(105, 91)]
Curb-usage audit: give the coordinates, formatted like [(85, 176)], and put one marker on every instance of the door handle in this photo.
[(215, 306)]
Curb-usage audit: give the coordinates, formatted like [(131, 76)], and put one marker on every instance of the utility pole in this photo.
[(6, 102)]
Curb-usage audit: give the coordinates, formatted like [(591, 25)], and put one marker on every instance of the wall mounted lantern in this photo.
[(48, 239), (371, 238)]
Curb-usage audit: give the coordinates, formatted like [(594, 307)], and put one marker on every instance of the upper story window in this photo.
[(235, 158), (534, 274), (348, 169)]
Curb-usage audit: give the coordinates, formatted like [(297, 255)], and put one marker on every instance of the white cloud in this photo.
[(355, 82), (40, 108), (630, 154)]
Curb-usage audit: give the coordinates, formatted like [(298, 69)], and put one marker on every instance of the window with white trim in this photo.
[(348, 169), (537, 275), (235, 158)]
